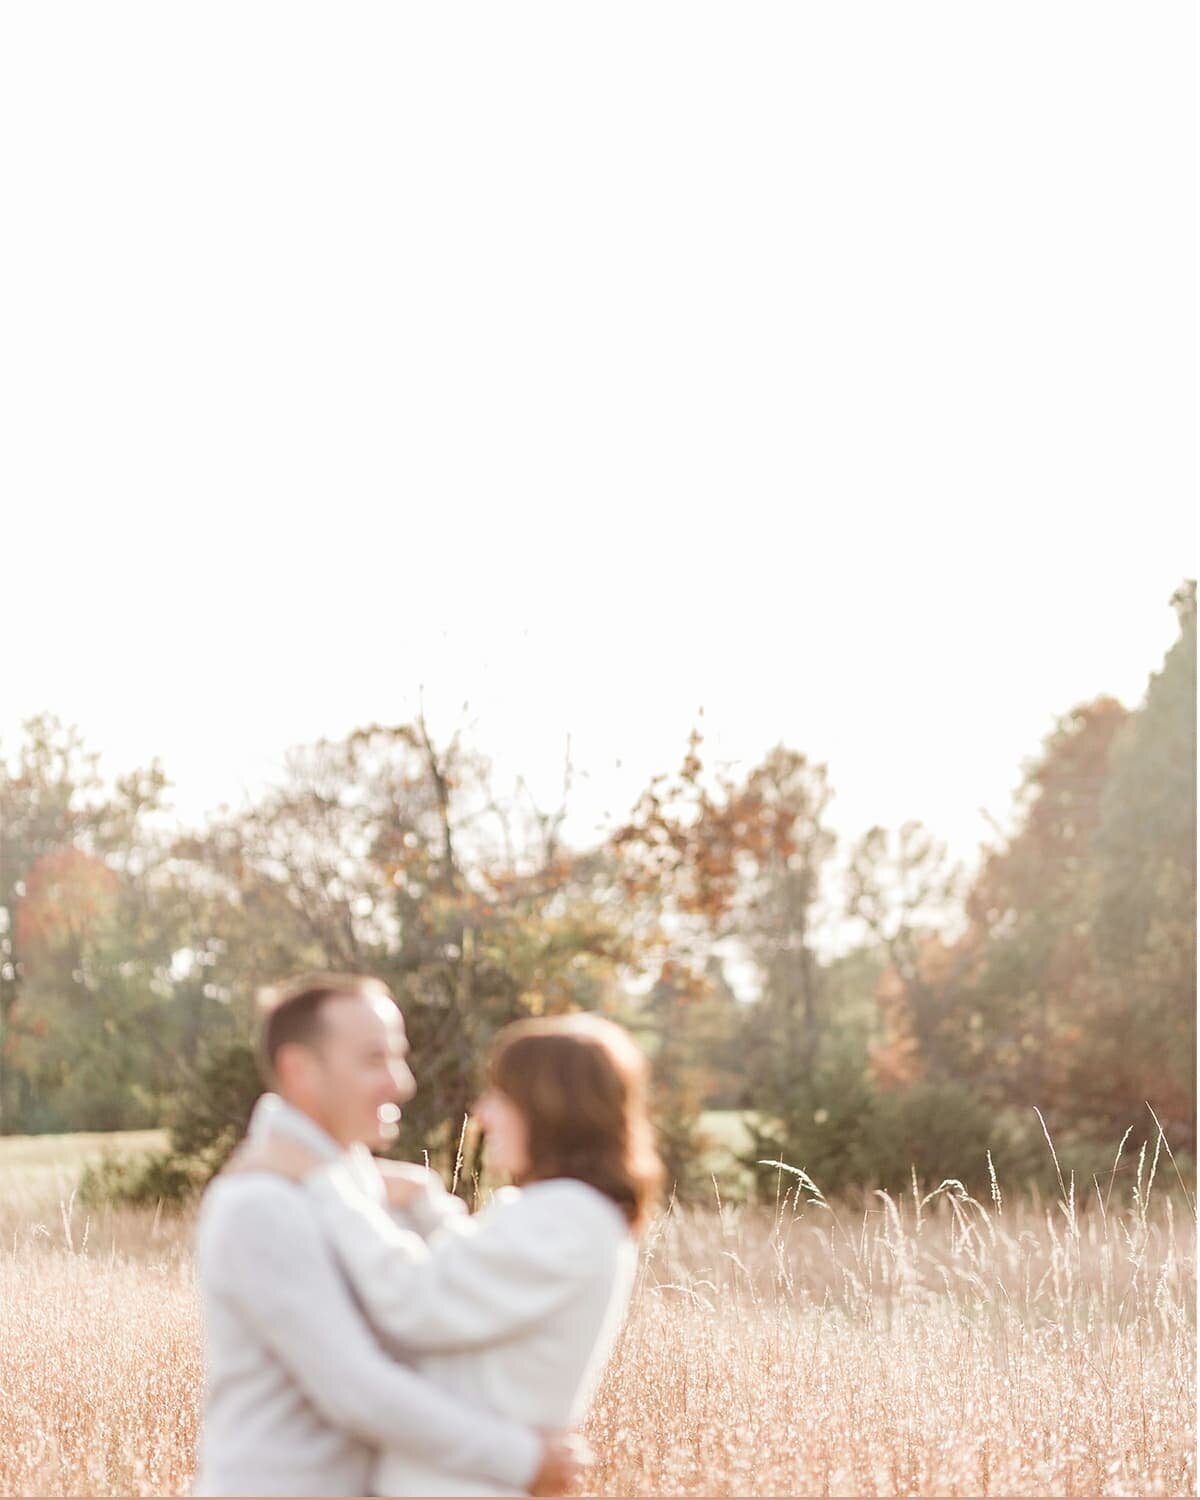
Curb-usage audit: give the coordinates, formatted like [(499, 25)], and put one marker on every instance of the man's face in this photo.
[(356, 1068)]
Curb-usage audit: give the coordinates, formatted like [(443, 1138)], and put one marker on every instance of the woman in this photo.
[(518, 1307)]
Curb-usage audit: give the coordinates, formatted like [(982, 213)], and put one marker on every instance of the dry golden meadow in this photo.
[(947, 1348)]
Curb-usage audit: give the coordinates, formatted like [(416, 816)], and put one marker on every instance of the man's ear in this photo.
[(293, 1068)]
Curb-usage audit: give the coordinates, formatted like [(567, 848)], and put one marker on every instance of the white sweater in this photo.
[(299, 1396), (516, 1309)]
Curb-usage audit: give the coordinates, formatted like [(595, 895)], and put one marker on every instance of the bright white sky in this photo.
[(828, 366)]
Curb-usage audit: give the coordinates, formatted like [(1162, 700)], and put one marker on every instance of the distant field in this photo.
[(39, 1152), (727, 1140), (39, 1173), (45, 1161), (727, 1128)]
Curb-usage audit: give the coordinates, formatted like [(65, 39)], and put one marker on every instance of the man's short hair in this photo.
[(291, 1011)]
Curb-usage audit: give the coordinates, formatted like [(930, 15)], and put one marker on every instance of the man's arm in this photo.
[(265, 1254)]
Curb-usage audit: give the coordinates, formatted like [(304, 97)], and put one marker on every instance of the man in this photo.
[(299, 1396)]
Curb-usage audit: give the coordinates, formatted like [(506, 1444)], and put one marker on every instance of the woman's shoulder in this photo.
[(558, 1230), (575, 1204)]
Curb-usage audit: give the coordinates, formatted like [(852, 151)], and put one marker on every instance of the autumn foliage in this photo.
[(867, 1005)]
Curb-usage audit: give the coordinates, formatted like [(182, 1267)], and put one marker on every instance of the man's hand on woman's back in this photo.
[(566, 1457)]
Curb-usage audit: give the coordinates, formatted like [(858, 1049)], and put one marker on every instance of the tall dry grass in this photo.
[(927, 1345)]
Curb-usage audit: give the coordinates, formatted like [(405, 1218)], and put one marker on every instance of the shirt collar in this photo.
[(271, 1113)]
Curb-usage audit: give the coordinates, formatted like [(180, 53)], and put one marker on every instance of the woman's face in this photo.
[(507, 1133)]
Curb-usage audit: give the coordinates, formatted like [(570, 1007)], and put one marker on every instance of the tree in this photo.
[(709, 861), (380, 853), (786, 849), (1002, 1004), (902, 889), (1072, 986), (75, 859), (1142, 906)]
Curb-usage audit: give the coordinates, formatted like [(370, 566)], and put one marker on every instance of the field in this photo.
[(949, 1347)]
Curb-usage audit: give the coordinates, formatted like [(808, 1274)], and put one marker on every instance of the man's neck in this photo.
[(274, 1113)]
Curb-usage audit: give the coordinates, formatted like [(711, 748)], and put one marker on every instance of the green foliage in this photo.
[(1142, 907), (1146, 843), (84, 940), (863, 1138), (213, 1109), (826, 1128), (210, 1114)]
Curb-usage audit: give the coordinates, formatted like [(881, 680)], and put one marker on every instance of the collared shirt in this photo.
[(299, 1395)]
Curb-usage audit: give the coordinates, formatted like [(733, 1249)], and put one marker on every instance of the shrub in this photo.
[(210, 1119), (214, 1109), (145, 1181), (845, 1135)]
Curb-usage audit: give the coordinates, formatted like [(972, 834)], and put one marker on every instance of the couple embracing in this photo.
[(364, 1335)]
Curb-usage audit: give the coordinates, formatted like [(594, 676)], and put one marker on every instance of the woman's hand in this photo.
[(405, 1181), (275, 1153)]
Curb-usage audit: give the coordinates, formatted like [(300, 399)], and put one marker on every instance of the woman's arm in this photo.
[(419, 1197), (477, 1281)]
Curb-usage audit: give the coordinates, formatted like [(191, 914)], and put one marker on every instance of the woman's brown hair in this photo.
[(580, 1083)]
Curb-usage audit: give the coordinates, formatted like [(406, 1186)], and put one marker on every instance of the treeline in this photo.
[(1059, 977)]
